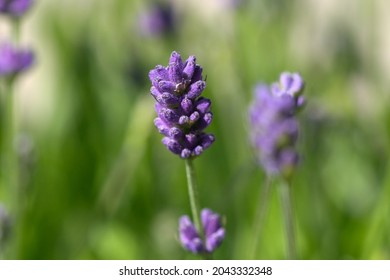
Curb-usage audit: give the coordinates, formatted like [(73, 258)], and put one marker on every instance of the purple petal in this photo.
[(206, 140), (186, 153), (161, 126), (158, 73), (168, 99), (155, 92), (198, 150), (166, 86), (191, 140), (286, 80), (196, 89), (175, 133), (194, 117), (168, 115), (186, 105), (203, 105), (211, 222), (292, 83), (172, 145), (189, 237), (204, 122), (175, 67), (189, 68), (214, 233), (197, 76), (214, 240), (184, 120)]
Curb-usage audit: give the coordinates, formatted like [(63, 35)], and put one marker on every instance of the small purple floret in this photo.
[(274, 127), (13, 60), (15, 8), (189, 237), (213, 232), (290, 84), (177, 90)]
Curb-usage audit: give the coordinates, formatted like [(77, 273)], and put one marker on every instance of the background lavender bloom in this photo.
[(182, 113), (14, 60), (213, 232), (158, 20), (15, 8), (274, 128)]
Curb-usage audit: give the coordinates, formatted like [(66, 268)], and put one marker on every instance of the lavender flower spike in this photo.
[(274, 128), (14, 60), (213, 233), (15, 8), (182, 113)]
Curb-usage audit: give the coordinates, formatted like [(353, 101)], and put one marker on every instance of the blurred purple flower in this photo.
[(15, 8), (274, 128), (182, 113), (213, 231), (158, 20), (14, 60)]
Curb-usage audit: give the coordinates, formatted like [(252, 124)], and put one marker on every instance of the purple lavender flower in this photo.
[(213, 231), (182, 113), (274, 127), (158, 20), (15, 8), (14, 60)]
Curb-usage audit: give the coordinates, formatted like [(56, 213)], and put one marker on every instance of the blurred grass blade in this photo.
[(133, 150)]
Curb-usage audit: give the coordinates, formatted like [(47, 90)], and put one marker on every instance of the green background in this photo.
[(96, 182)]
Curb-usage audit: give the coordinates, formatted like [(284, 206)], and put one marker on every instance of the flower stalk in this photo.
[(262, 209), (288, 215), (193, 193)]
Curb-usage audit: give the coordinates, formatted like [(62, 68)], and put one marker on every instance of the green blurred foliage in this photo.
[(98, 183)]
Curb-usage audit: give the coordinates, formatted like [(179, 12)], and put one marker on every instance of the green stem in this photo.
[(193, 194), (262, 208), (288, 219)]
